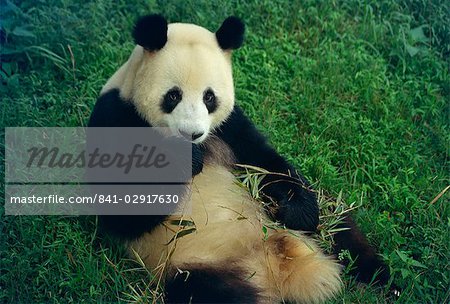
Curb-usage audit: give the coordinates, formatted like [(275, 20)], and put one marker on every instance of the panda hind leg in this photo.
[(201, 283), (298, 271)]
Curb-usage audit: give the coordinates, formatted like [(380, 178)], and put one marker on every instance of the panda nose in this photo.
[(191, 136), (196, 135)]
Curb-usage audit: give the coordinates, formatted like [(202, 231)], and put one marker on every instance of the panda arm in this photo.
[(297, 206), (112, 111)]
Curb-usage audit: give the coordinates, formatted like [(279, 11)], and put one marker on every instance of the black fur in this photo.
[(210, 100), (230, 35), (296, 205), (368, 265), (150, 32), (206, 284), (171, 99), (112, 111)]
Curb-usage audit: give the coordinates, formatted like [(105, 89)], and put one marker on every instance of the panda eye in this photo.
[(171, 99), (209, 99), (174, 95)]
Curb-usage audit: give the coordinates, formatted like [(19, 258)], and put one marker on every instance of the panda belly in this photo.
[(224, 223), (225, 239)]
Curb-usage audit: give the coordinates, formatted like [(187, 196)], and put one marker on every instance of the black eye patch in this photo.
[(171, 99), (210, 100)]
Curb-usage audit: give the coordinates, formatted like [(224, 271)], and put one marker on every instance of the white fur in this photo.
[(283, 264), (190, 60)]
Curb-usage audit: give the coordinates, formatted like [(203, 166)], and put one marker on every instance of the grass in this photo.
[(355, 93)]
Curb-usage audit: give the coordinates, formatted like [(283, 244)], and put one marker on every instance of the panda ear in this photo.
[(150, 32), (230, 35)]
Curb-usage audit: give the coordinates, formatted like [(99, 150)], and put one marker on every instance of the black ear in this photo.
[(150, 32), (230, 35)]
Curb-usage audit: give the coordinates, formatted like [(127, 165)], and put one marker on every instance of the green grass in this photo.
[(355, 93)]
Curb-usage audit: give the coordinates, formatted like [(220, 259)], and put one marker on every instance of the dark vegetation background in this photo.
[(355, 93)]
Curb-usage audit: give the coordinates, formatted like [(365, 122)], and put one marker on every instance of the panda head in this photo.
[(183, 75)]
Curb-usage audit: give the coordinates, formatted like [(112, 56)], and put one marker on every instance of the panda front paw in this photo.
[(197, 159), (296, 205), (298, 211)]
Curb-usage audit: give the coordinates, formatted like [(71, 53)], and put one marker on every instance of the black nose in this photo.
[(196, 135), (190, 136)]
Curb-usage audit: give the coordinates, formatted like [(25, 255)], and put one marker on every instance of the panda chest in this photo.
[(216, 196)]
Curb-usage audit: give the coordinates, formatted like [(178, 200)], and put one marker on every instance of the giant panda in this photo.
[(180, 76)]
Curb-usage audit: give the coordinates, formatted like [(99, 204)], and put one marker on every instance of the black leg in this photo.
[(296, 206)]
